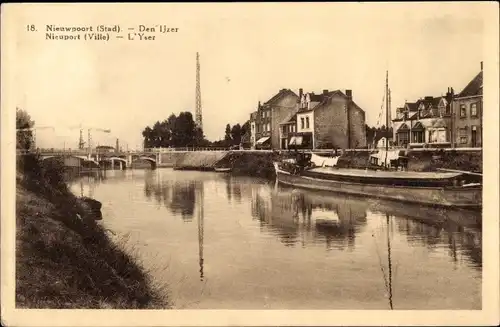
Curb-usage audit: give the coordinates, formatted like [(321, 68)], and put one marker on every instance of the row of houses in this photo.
[(332, 119), (450, 120)]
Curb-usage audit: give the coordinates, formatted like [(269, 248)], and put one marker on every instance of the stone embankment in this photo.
[(260, 163), (423, 160), (199, 160), (250, 163)]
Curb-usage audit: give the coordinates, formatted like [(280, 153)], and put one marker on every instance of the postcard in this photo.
[(192, 164)]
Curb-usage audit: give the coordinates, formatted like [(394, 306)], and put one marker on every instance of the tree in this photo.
[(185, 131), (227, 135), (236, 134), (176, 131), (245, 128), (147, 133), (24, 139)]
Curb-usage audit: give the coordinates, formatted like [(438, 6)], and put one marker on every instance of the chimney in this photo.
[(301, 91), (348, 93), (325, 92), (481, 66)]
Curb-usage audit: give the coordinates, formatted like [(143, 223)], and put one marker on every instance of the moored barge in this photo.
[(430, 188)]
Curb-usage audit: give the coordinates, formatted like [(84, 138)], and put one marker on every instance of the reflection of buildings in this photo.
[(233, 189), (461, 241), (310, 218), (179, 196)]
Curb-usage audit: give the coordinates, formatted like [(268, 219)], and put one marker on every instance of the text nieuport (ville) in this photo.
[(102, 32)]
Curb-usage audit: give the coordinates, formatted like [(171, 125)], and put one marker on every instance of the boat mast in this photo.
[(386, 116)]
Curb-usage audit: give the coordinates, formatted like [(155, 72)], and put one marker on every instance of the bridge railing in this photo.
[(54, 151)]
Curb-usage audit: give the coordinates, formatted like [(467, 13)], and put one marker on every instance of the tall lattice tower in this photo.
[(81, 142), (199, 121)]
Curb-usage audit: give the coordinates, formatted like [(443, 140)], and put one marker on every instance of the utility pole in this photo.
[(89, 143), (199, 121)]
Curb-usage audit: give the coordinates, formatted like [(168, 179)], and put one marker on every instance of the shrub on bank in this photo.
[(63, 261), (253, 164)]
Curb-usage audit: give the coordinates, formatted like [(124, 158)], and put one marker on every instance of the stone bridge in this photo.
[(105, 160)]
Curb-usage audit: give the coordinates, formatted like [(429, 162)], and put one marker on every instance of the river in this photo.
[(225, 242)]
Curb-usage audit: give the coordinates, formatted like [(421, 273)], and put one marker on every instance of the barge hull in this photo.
[(470, 198)]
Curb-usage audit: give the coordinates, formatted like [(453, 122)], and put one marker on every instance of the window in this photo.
[(418, 137), (432, 136), (402, 138), (463, 110), (463, 139), (473, 109), (307, 122), (302, 123)]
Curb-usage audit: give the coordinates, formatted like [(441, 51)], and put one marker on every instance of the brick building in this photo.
[(268, 116), (468, 114), (326, 120)]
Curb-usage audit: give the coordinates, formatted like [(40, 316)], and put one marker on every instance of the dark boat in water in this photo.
[(439, 189), (449, 189)]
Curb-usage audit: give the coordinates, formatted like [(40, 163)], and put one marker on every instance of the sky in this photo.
[(248, 52)]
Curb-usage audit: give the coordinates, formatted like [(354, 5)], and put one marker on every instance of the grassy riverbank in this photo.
[(63, 261)]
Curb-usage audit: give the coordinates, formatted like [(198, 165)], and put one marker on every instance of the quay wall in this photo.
[(422, 160), (250, 163), (259, 163), (199, 159), (430, 161)]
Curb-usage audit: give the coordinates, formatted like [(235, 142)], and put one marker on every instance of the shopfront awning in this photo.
[(295, 140), (262, 140)]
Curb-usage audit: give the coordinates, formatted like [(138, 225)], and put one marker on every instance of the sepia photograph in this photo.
[(249, 164)]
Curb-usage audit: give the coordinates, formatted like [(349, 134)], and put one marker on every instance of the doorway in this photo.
[(474, 138)]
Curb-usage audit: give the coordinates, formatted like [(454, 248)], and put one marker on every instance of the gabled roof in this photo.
[(412, 106), (326, 97), (403, 127), (291, 118), (475, 87), (278, 96), (418, 126)]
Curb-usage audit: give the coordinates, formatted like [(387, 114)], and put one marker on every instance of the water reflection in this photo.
[(201, 232), (233, 189), (179, 196), (303, 217), (300, 217), (254, 228)]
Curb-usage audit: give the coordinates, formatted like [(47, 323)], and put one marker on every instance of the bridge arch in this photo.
[(73, 160), (112, 161), (137, 160)]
